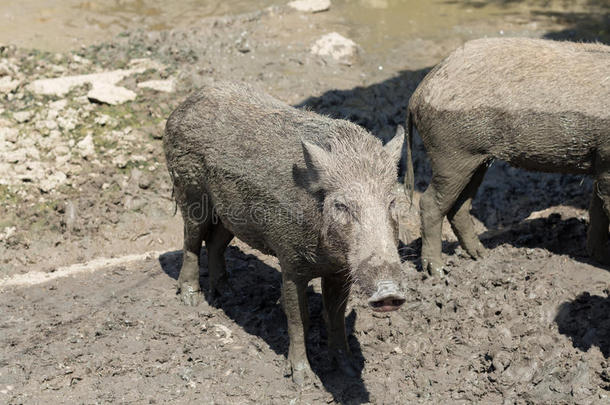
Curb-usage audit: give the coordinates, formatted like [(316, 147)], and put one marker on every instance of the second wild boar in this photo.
[(536, 104)]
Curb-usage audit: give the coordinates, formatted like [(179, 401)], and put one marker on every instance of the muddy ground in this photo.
[(79, 181)]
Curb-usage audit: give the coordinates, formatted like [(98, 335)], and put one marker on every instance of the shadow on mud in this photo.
[(586, 322), (581, 27), (557, 235), (379, 107), (254, 306)]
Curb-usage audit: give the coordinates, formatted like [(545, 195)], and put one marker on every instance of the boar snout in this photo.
[(387, 297)]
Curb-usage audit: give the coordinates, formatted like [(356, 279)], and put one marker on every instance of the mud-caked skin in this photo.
[(536, 104), (313, 191)]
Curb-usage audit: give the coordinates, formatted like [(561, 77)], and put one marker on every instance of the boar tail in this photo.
[(409, 181)]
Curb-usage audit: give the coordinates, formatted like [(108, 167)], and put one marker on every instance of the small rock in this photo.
[(310, 6), (32, 153), (145, 182), (49, 183), (61, 85), (7, 67), (79, 59), (86, 147), (336, 46), (7, 84), (167, 85), (110, 94), (15, 156), (61, 150), (120, 161), (58, 105), (22, 116), (9, 134), (102, 119), (242, 44), (7, 233), (49, 124)]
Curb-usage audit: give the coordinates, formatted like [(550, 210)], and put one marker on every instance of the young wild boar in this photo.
[(313, 191), (536, 104)]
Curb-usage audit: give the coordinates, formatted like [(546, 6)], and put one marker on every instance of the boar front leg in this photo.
[(599, 211), (335, 293), (294, 301), (188, 280)]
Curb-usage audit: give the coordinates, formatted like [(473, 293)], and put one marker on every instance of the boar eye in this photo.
[(339, 206), (392, 203)]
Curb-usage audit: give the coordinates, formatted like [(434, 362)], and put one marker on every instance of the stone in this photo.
[(58, 105), (336, 46), (61, 150), (23, 116), (110, 94), (7, 233), (85, 146), (167, 85), (32, 153), (120, 161), (60, 86), (310, 6), (51, 181), (7, 84), (9, 134), (15, 156), (8, 68)]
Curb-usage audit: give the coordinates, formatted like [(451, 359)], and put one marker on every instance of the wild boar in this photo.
[(311, 190), (536, 104)]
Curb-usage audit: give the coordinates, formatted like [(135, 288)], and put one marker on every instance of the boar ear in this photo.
[(316, 158), (394, 146)]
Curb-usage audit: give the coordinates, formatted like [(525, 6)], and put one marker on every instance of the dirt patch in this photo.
[(527, 324)]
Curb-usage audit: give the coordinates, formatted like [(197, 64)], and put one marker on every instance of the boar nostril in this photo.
[(387, 304)]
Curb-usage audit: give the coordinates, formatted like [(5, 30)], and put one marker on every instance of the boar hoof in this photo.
[(477, 251), (302, 374), (190, 296), (345, 363), (433, 267)]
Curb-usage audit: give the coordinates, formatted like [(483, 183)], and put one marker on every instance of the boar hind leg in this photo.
[(188, 281), (294, 302), (461, 220), (446, 186), (599, 211), (335, 292), (216, 243)]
